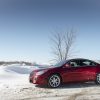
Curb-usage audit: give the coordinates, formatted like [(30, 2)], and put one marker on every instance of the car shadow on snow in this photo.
[(72, 85)]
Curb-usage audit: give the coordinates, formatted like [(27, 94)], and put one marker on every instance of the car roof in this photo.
[(82, 59), (78, 59)]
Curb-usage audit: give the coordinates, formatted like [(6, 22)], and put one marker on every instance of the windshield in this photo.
[(60, 63)]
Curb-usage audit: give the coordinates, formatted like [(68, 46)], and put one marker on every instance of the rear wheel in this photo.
[(98, 78), (54, 81)]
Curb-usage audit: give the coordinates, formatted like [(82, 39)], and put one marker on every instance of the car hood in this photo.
[(45, 68)]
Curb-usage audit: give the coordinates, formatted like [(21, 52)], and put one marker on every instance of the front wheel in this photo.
[(54, 81), (98, 78)]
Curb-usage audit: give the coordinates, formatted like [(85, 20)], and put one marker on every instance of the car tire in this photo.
[(98, 78), (54, 81)]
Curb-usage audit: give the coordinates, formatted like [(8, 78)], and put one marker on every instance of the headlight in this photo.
[(41, 72)]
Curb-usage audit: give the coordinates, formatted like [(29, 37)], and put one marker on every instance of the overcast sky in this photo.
[(26, 25)]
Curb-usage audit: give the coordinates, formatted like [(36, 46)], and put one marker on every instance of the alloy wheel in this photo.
[(98, 78), (54, 81)]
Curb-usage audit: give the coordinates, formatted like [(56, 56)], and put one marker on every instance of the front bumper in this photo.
[(40, 80)]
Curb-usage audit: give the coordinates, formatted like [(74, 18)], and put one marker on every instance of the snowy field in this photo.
[(14, 85)]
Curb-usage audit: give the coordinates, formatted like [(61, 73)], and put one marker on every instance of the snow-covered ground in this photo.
[(14, 85)]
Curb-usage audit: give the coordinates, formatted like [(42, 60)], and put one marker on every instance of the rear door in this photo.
[(88, 70)]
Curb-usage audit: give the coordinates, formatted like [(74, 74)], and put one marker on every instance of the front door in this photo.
[(72, 73)]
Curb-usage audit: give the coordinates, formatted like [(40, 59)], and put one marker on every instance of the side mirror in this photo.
[(66, 66), (72, 65)]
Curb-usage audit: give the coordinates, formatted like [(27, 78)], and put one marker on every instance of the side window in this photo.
[(74, 63), (87, 63)]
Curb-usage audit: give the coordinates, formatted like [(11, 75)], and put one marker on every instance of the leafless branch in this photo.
[(62, 43)]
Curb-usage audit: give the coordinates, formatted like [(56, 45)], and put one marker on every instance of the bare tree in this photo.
[(62, 45)]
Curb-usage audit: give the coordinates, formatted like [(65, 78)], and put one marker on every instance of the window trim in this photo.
[(83, 65)]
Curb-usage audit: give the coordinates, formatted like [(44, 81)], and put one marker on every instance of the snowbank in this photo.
[(15, 74)]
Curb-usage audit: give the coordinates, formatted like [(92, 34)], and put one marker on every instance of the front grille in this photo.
[(30, 81)]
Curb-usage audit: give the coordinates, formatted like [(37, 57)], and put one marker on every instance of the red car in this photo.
[(72, 70)]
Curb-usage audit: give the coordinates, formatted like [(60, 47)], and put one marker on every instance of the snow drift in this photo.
[(15, 74)]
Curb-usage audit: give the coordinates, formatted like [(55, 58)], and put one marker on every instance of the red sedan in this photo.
[(73, 70)]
